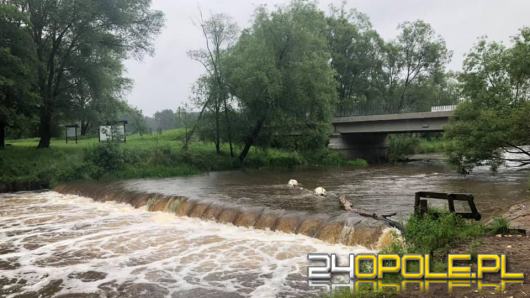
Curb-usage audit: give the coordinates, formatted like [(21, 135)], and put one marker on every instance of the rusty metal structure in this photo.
[(420, 203)]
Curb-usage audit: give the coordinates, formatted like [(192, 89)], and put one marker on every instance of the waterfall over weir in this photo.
[(343, 228)]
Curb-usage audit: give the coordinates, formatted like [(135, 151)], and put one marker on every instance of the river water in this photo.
[(380, 189), (54, 244), (64, 244)]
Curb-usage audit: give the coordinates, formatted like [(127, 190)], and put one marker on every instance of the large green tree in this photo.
[(279, 71), (17, 68), (492, 127), (69, 35), (375, 77), (357, 53), (417, 57)]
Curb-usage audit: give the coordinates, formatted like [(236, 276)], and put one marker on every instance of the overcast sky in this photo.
[(164, 80)]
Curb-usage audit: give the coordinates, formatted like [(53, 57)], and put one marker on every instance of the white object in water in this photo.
[(292, 183), (320, 191)]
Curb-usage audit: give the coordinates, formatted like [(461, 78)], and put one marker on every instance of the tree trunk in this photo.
[(229, 128), (45, 128), (2, 135), (217, 130), (84, 127), (190, 134), (251, 139)]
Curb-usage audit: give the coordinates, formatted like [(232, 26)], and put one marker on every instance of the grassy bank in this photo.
[(437, 234), (141, 156), (401, 146)]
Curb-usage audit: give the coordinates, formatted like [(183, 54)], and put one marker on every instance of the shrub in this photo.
[(106, 156), (399, 146), (435, 233)]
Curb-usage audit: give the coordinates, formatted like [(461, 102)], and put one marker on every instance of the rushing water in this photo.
[(65, 244), (221, 234)]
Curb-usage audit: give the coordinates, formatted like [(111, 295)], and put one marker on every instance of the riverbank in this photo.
[(26, 168)]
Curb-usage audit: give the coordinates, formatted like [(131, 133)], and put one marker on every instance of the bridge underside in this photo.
[(365, 136), (371, 147)]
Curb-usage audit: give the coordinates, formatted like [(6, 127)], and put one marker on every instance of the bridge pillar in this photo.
[(371, 147)]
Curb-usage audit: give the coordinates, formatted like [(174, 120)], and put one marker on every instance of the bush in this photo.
[(326, 157), (435, 233), (108, 157), (399, 146)]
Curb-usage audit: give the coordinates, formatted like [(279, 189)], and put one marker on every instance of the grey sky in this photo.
[(165, 80)]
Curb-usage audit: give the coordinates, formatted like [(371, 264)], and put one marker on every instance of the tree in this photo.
[(219, 33), (417, 55), (357, 53), (376, 77), (166, 119), (135, 119), (68, 35), (17, 68), (94, 94), (493, 120), (279, 73)]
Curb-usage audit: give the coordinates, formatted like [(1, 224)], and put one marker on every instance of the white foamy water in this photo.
[(53, 244)]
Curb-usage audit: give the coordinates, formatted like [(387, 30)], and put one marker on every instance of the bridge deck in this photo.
[(406, 122)]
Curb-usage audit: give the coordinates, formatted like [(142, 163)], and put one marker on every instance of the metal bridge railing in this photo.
[(383, 108)]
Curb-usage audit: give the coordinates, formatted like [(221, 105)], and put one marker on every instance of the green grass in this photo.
[(435, 145), (361, 293), (141, 157), (401, 146), (499, 225)]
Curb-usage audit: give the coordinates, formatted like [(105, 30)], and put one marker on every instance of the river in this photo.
[(64, 244)]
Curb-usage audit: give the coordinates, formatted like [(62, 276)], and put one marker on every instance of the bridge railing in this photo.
[(368, 108)]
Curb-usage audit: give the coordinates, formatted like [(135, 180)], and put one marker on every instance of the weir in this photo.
[(344, 228)]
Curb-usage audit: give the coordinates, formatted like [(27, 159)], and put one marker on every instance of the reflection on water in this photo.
[(384, 188), (53, 244)]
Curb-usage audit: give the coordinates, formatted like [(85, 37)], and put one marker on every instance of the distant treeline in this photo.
[(276, 83)]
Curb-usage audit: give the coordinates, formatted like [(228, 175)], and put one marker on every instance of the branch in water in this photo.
[(521, 150)]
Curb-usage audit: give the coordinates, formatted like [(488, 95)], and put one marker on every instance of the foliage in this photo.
[(79, 48), (279, 73), (359, 293), (435, 233), (142, 156), (494, 118), (17, 69), (357, 53), (375, 77), (106, 157), (165, 119), (418, 55), (399, 146), (436, 144), (499, 225)]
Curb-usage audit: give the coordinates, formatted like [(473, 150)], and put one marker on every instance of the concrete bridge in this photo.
[(365, 136)]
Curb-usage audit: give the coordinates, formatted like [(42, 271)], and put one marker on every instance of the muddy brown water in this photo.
[(379, 189), (225, 234)]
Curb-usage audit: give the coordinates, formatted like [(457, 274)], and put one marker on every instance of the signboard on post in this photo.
[(71, 132), (114, 132), (105, 133)]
